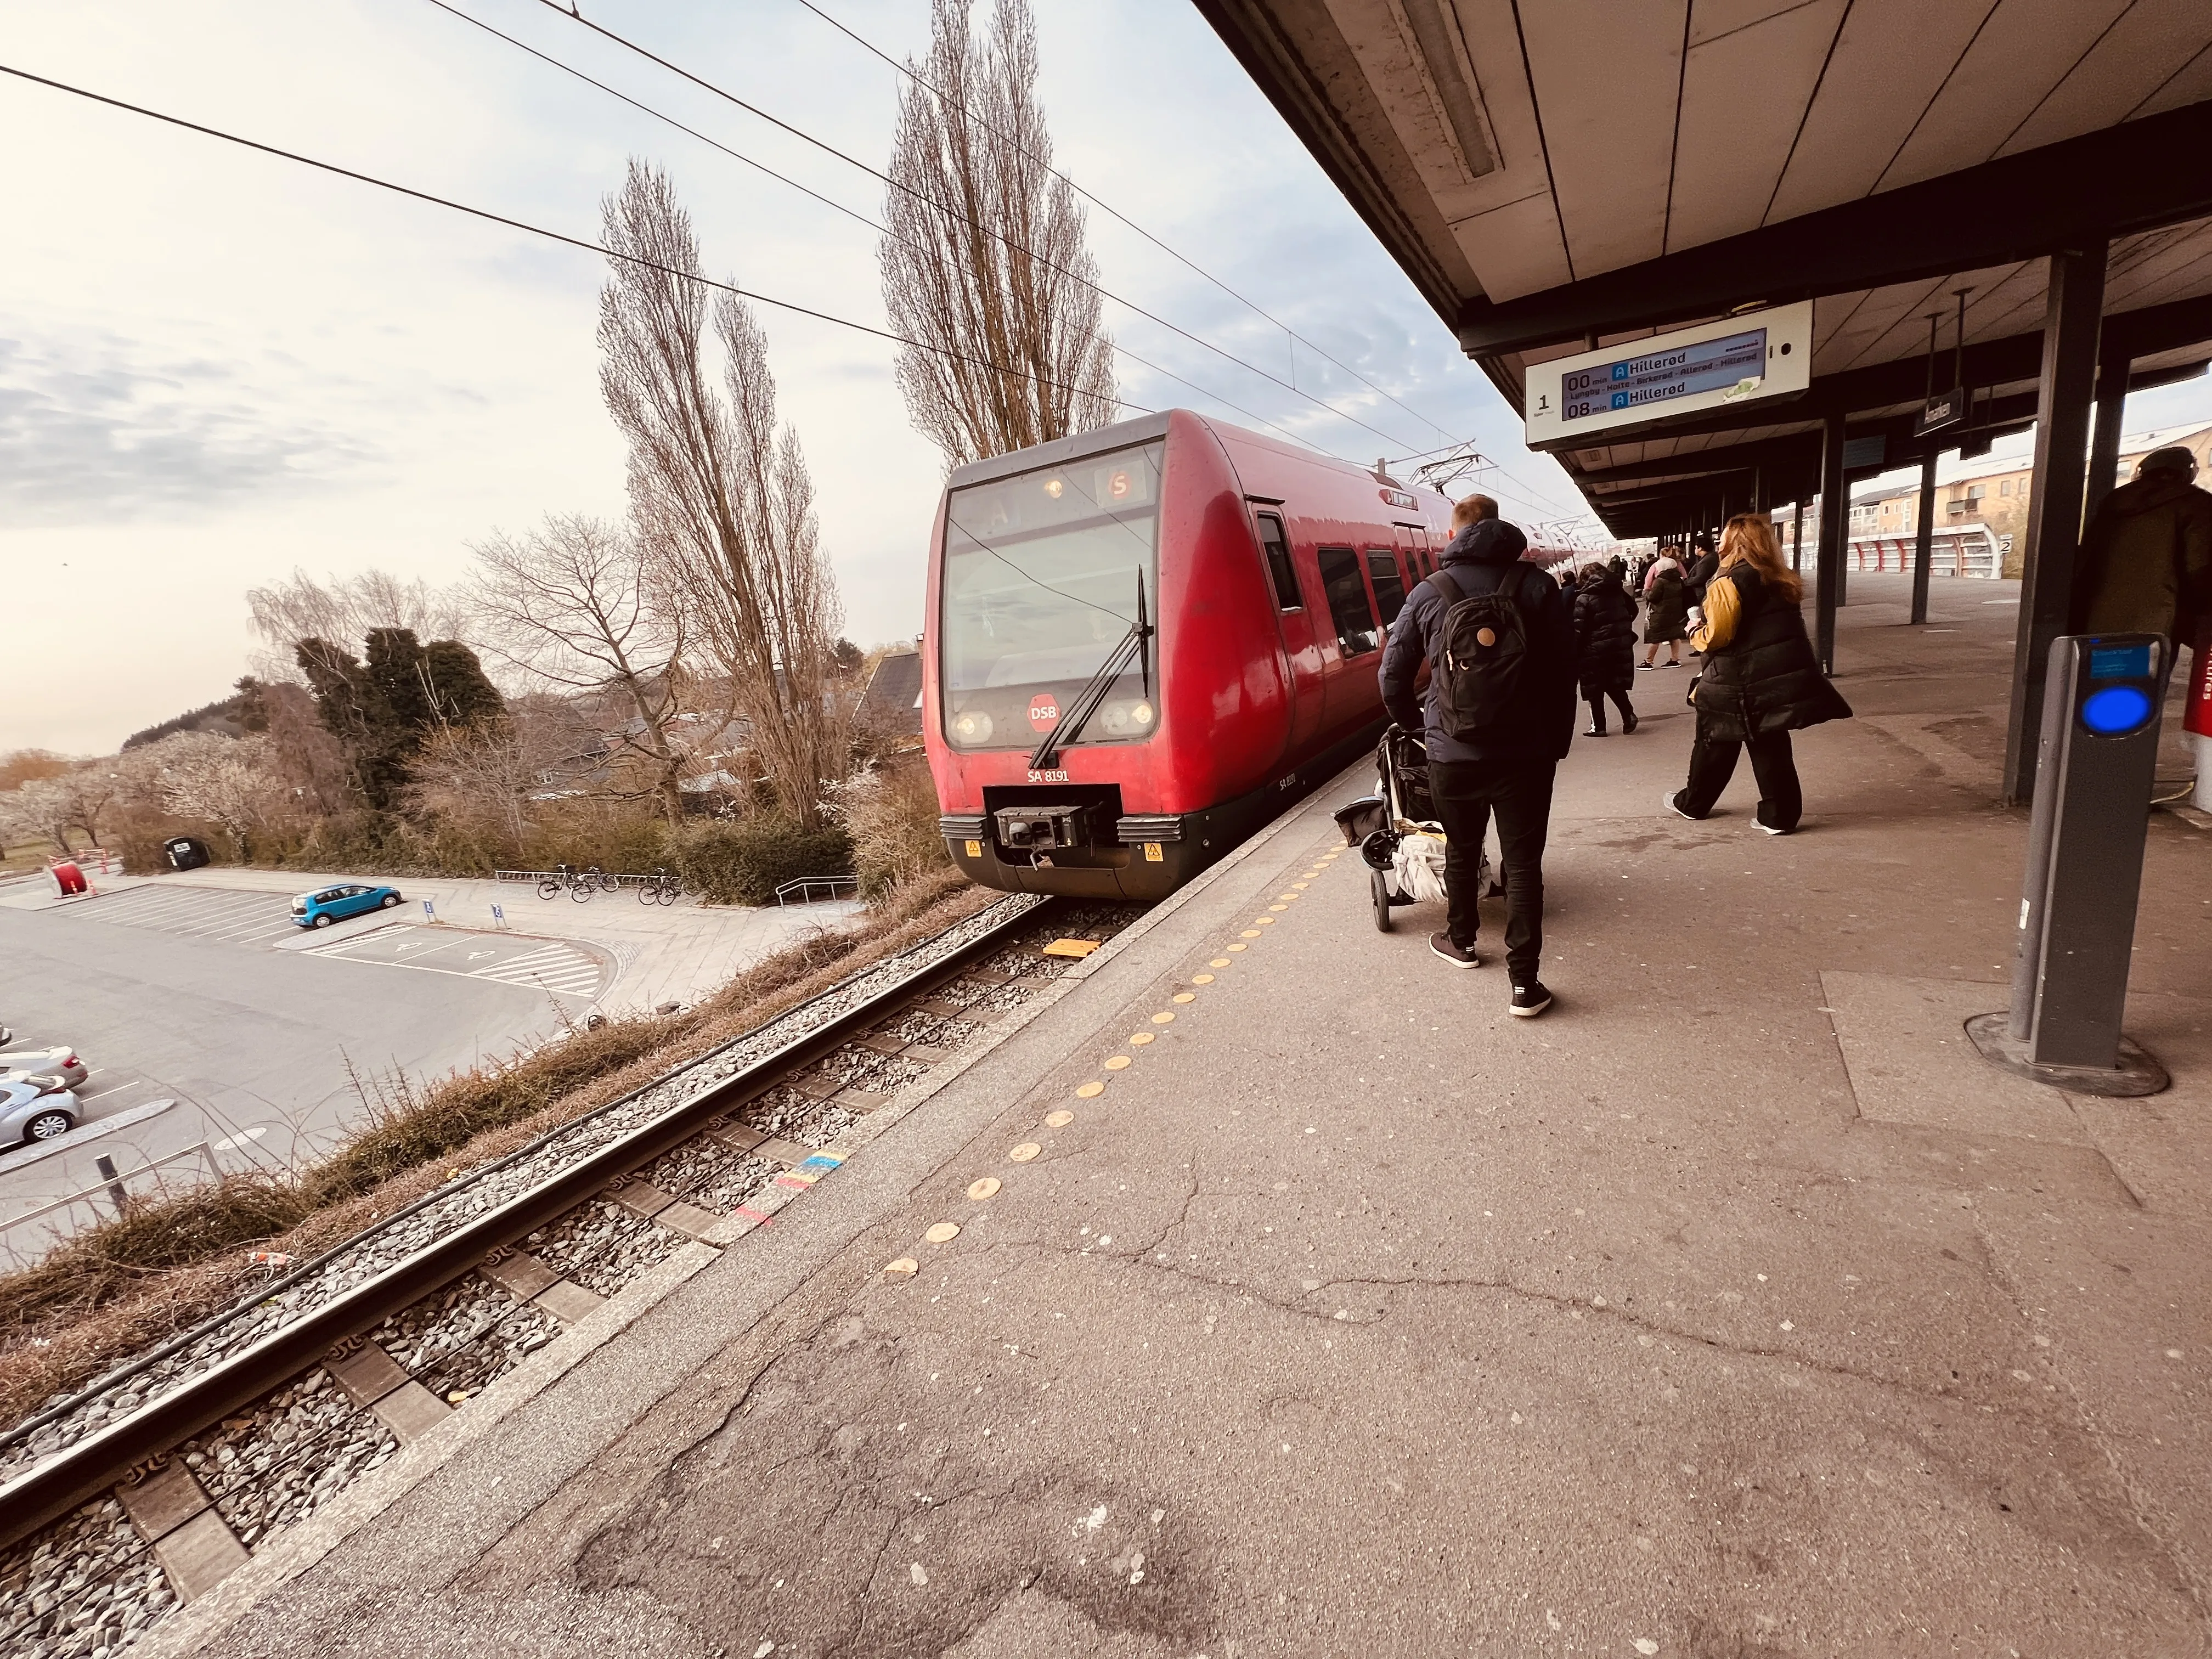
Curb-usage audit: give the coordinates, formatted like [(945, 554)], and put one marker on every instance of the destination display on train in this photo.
[(1660, 377)]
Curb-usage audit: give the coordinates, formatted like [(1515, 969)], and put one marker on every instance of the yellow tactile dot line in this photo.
[(1090, 1090), (1138, 1039), (983, 1186), (1243, 947), (1188, 996), (943, 1232), (1117, 1062), (1059, 1118), (1163, 1017), (1249, 932), (905, 1264), (1218, 962), (1205, 979), (1024, 1152)]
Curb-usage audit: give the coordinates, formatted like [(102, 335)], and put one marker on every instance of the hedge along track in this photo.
[(151, 1484)]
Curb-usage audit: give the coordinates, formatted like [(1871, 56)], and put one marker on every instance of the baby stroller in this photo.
[(1397, 831)]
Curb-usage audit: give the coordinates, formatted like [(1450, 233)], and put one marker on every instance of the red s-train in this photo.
[(1143, 641)]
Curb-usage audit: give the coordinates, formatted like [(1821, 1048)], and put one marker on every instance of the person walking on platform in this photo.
[(1499, 638), (1761, 679), (2146, 564), (1666, 614), (1705, 564), (1605, 647)]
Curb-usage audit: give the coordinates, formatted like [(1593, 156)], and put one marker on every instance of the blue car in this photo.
[(329, 904)]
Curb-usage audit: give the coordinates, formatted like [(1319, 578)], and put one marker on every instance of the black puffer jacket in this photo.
[(1605, 634), (1666, 613), (1543, 727), (1765, 679)]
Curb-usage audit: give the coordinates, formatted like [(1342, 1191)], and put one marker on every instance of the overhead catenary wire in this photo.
[(828, 148), (854, 213), (1107, 208), (523, 225)]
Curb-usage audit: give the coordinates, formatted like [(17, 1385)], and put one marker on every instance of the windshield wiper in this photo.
[(1133, 647)]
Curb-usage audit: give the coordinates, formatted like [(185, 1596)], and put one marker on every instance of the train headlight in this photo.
[(971, 726), (1122, 720)]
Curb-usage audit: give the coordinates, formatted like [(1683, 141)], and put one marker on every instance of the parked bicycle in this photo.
[(565, 878), (607, 883), (660, 888)]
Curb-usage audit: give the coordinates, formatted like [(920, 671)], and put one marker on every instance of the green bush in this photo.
[(745, 860)]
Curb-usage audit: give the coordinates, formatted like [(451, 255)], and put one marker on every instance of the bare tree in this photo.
[(574, 604), (231, 782), (985, 262), (344, 609), (486, 773), (39, 810), (721, 502)]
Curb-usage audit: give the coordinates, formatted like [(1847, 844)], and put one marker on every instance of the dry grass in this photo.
[(125, 1286)]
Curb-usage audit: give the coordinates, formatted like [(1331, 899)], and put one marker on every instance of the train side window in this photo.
[(1389, 586), (1277, 546), (1347, 601)]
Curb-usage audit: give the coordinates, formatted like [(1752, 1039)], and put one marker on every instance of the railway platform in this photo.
[(1270, 1291)]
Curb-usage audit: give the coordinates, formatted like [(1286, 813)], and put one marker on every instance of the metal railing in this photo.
[(803, 889), (110, 1197)]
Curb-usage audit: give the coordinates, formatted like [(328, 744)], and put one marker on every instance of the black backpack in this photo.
[(1480, 660)]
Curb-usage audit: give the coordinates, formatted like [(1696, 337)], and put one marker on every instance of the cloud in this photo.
[(98, 431)]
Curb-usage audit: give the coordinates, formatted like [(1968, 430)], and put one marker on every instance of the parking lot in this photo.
[(563, 967), (255, 920)]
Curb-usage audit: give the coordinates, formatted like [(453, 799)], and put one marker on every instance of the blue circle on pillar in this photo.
[(2114, 711)]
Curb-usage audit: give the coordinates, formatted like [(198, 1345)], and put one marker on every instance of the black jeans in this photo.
[(1712, 763), (1620, 701), (1520, 793)]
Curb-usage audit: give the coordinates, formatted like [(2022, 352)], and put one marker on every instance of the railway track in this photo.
[(150, 1485)]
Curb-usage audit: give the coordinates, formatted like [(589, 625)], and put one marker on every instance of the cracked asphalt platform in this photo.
[(1729, 1309)]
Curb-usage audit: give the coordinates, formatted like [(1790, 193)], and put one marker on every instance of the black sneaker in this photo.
[(1530, 1000), (1628, 722), (1594, 732), (1645, 667), (1459, 956)]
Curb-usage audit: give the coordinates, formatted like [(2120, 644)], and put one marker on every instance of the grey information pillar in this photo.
[(2085, 855)]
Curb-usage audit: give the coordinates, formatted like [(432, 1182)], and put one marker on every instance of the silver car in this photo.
[(44, 1062), (28, 1114)]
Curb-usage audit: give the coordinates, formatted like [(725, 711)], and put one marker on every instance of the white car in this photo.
[(29, 1114), (44, 1062)]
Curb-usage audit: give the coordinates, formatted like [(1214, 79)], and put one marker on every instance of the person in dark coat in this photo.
[(1605, 647), (1705, 564), (1507, 768), (1761, 680), (1665, 615), (2146, 564)]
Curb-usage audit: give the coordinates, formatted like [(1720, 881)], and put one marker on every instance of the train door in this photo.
[(1389, 576), (1413, 543), (1301, 642), (1354, 678)]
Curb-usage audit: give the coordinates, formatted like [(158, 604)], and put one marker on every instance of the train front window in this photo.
[(1039, 586)]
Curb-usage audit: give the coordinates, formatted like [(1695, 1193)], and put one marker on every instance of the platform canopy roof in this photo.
[(1556, 174)]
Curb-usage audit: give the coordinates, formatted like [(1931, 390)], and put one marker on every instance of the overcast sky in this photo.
[(216, 366)]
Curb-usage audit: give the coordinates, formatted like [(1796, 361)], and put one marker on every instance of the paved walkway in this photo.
[(654, 954), (1732, 1308)]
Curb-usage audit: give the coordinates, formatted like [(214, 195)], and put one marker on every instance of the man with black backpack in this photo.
[(1499, 641)]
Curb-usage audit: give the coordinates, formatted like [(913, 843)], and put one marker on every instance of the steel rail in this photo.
[(112, 1454)]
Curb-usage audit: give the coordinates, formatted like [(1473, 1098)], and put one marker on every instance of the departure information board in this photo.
[(1658, 377), (1636, 384)]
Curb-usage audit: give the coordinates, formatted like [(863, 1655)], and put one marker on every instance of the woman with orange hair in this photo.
[(1761, 680)]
